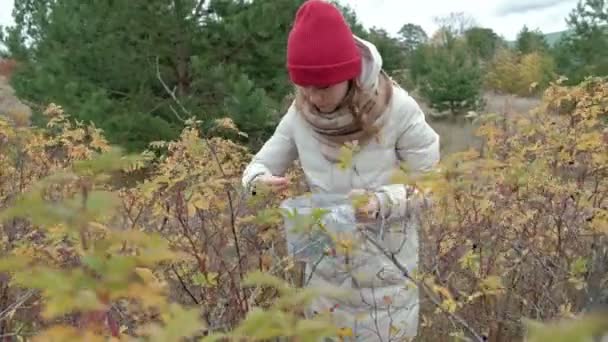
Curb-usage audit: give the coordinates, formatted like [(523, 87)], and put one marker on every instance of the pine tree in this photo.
[(454, 78), (530, 41), (122, 64), (483, 42), (582, 52), (97, 59)]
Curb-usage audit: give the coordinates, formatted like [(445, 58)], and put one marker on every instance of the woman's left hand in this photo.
[(367, 205)]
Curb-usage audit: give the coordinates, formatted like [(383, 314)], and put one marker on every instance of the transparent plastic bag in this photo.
[(307, 242)]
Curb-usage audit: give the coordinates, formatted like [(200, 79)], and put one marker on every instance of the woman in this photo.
[(343, 96)]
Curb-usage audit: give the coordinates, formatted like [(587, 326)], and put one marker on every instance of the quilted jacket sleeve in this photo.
[(418, 146), (276, 155)]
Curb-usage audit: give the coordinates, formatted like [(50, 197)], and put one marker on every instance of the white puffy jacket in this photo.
[(386, 306)]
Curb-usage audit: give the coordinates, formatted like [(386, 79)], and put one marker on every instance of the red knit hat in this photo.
[(321, 49)]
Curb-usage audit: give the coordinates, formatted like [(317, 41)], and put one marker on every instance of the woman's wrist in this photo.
[(384, 207)]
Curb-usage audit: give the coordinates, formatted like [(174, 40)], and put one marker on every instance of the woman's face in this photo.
[(326, 99)]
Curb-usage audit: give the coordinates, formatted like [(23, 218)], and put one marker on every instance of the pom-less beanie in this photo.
[(321, 49)]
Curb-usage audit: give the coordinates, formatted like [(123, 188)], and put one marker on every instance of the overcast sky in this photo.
[(506, 17), (6, 9)]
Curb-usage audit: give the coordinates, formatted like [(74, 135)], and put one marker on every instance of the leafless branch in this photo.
[(13, 307), (279, 265), (184, 285), (427, 291), (313, 269), (216, 158), (176, 114), (375, 314), (170, 92)]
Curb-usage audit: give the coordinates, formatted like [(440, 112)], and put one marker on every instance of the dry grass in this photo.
[(458, 134), (7, 66), (498, 103), (11, 106)]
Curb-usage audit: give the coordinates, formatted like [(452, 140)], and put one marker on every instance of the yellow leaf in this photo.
[(344, 245), (426, 322), (449, 305), (191, 209), (589, 141), (201, 203), (61, 333), (345, 332), (565, 310), (347, 152), (578, 283), (207, 279), (144, 294), (399, 177), (458, 336), (470, 260), (226, 123), (491, 284), (600, 221), (442, 291), (99, 226), (394, 330), (146, 275), (578, 267)]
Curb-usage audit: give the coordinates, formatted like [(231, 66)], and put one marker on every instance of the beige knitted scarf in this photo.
[(358, 119)]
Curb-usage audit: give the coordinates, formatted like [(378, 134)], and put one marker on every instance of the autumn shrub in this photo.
[(165, 244), (514, 73), (518, 229), (90, 257), (11, 107), (192, 197), (65, 259)]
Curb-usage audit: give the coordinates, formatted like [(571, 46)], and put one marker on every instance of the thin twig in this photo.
[(171, 93), (421, 285), (176, 114), (375, 314), (4, 314), (219, 164), (184, 285), (313, 269)]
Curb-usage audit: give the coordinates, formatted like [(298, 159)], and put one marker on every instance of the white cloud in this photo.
[(506, 17), (6, 12), (392, 14), (521, 6)]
